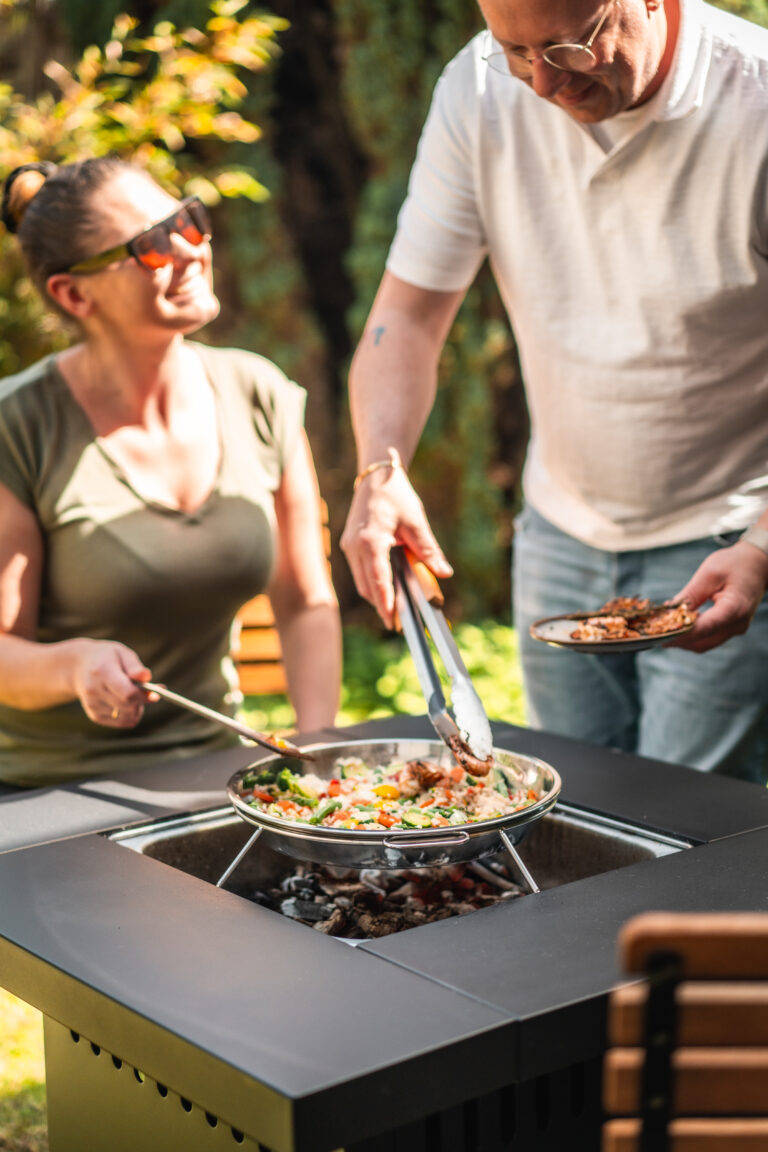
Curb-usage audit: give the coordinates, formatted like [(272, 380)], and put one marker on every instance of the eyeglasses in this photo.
[(566, 57), (152, 248)]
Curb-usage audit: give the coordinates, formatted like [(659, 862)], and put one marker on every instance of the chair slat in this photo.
[(257, 613), (733, 945), (712, 1013), (693, 1135), (706, 1081), (262, 679), (256, 651), (257, 645)]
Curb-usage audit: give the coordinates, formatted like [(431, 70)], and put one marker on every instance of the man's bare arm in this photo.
[(392, 389)]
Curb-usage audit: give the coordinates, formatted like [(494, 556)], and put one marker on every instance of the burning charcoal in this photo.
[(373, 880), (463, 909), (335, 925), (300, 886), (336, 888), (305, 910), (382, 925), (264, 900), (440, 914), (367, 900)]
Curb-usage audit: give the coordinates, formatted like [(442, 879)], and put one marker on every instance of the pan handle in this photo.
[(433, 842)]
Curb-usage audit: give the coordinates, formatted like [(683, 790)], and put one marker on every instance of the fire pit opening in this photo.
[(566, 845)]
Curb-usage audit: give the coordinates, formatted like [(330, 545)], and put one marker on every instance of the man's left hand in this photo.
[(735, 580)]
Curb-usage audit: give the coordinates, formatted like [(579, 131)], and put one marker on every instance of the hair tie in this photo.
[(20, 188)]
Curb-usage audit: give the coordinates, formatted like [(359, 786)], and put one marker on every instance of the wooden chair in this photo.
[(687, 1063), (255, 649)]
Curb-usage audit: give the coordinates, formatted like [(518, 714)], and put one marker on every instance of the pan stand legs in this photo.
[(514, 854), (226, 875)]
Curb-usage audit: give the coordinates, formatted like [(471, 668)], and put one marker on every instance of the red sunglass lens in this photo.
[(198, 214), (189, 230), (153, 248)]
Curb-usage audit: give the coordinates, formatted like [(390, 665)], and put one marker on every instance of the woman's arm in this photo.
[(34, 676), (303, 599)]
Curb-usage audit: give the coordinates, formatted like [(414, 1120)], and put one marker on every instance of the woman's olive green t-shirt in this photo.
[(121, 567)]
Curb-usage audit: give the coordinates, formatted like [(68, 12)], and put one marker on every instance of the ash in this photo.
[(363, 905)]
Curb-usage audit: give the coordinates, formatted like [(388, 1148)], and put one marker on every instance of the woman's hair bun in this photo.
[(20, 187)]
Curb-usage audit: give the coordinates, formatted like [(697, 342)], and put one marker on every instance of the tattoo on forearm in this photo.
[(377, 335)]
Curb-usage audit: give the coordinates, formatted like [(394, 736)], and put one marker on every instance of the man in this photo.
[(611, 159)]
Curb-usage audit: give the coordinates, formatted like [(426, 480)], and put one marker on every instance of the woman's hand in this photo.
[(735, 580), (104, 675)]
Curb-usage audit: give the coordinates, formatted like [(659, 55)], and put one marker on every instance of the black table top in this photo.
[(208, 993)]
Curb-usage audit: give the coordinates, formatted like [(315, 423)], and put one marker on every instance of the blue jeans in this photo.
[(709, 710)]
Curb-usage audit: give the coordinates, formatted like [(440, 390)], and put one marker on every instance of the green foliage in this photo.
[(160, 100), (755, 10), (22, 1077), (380, 678), (186, 97), (409, 45)]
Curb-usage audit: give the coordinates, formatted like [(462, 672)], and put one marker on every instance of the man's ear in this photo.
[(66, 291)]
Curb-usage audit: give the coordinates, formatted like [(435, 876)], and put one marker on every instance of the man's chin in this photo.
[(589, 106)]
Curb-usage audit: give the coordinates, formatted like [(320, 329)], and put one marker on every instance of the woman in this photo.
[(148, 487)]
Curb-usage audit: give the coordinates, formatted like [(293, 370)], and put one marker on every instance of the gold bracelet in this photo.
[(393, 461)]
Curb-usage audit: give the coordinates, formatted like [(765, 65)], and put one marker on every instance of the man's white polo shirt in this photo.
[(636, 280)]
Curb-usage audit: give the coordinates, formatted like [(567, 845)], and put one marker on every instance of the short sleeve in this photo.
[(20, 435), (278, 409), (440, 243), (255, 390)]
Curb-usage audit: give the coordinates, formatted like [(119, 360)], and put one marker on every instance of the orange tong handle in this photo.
[(426, 579)]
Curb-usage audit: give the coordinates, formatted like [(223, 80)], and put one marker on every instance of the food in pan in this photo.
[(631, 618), (401, 794)]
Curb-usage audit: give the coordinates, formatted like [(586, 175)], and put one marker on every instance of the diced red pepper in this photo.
[(334, 788), (262, 794), (385, 819)]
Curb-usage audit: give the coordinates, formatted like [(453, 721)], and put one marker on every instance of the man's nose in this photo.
[(546, 80)]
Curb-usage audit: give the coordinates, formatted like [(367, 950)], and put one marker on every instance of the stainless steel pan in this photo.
[(401, 848)]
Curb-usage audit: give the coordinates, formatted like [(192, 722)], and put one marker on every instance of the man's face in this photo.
[(632, 50)]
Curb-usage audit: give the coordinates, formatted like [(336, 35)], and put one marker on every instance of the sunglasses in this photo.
[(152, 247)]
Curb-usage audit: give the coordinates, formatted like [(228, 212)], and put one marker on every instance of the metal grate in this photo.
[(549, 1114), (100, 1103)]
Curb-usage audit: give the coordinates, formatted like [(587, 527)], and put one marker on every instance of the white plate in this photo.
[(556, 630)]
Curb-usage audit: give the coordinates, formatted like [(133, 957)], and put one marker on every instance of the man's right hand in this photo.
[(385, 511)]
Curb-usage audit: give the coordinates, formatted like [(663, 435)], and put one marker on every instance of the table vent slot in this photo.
[(92, 1092)]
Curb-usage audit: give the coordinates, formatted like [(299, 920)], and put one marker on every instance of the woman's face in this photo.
[(177, 297)]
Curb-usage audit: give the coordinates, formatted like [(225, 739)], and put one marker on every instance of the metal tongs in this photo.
[(279, 745), (467, 731)]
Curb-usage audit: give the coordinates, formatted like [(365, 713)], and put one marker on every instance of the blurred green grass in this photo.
[(379, 680), (22, 1087)]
